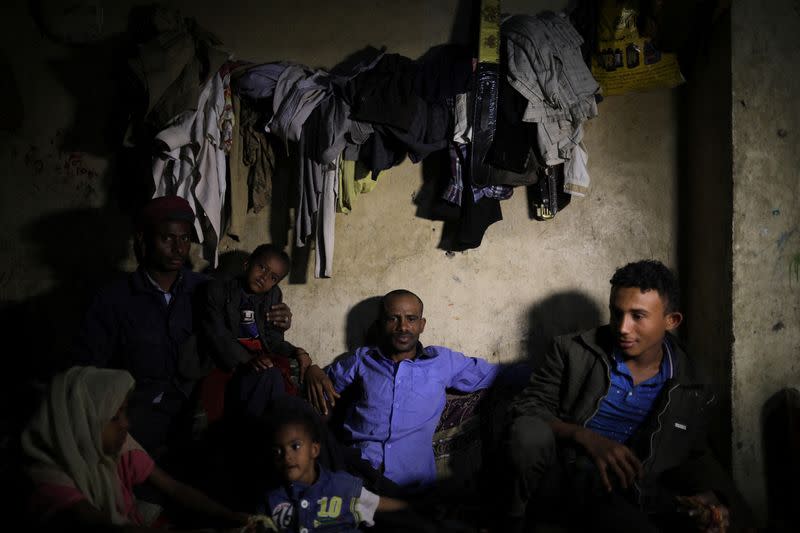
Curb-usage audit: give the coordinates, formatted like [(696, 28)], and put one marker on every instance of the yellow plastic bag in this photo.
[(625, 61)]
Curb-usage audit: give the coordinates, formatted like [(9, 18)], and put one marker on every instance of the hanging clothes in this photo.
[(230, 128), (459, 155), (384, 97), (237, 173), (462, 122), (487, 74), (318, 186), (257, 156), (354, 179), (313, 122), (193, 162), (545, 65), (297, 92), (473, 208), (175, 58), (514, 154), (476, 214), (326, 220), (258, 82)]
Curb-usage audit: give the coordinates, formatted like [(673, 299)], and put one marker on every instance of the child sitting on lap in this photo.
[(243, 327)]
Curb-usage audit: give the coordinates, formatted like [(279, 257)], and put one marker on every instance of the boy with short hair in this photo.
[(312, 498), (613, 423), (243, 325)]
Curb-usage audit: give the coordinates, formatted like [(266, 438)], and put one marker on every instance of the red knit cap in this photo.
[(165, 208)]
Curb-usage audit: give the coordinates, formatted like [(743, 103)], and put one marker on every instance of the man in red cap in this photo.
[(144, 324)]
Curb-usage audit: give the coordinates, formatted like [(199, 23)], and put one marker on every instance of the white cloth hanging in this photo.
[(193, 163)]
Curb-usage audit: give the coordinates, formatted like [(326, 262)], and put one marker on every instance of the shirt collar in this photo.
[(422, 352), (297, 490), (158, 287), (666, 368)]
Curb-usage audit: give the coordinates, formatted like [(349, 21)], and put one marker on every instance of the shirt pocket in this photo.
[(427, 393)]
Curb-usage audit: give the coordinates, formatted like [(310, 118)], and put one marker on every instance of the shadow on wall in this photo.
[(361, 326), (559, 314), (435, 175), (231, 264), (780, 418), (82, 248)]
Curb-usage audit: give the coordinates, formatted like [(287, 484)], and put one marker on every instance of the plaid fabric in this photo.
[(498, 192), (454, 190), (458, 154)]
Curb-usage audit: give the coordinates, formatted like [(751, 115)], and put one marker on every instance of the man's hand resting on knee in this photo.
[(610, 457), (319, 389)]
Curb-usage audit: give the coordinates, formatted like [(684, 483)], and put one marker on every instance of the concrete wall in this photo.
[(527, 280), (766, 223)]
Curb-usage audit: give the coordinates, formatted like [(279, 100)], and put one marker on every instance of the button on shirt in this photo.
[(336, 503), (393, 420), (625, 406)]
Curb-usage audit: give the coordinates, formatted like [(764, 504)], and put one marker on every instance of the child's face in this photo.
[(295, 454), (264, 272), (116, 431)]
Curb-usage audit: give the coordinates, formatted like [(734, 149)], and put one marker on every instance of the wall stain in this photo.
[(52, 165), (794, 268), (784, 238)]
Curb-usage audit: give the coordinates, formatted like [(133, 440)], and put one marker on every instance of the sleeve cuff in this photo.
[(365, 507)]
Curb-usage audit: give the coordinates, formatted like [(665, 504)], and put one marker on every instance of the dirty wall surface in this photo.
[(766, 225)]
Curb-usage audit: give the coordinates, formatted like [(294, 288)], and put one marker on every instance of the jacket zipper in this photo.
[(652, 438), (603, 397)]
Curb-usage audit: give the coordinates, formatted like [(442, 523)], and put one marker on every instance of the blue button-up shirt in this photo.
[(393, 420), (625, 406)]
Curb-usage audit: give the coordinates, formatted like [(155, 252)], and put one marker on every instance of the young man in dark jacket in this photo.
[(613, 424), (144, 324)]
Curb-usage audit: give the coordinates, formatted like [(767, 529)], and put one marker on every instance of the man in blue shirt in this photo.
[(402, 392)]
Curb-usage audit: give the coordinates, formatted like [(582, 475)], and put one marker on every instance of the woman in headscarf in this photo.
[(83, 462)]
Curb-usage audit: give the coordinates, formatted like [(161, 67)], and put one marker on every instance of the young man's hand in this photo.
[(610, 457), (280, 316), (259, 363), (303, 361), (319, 389)]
